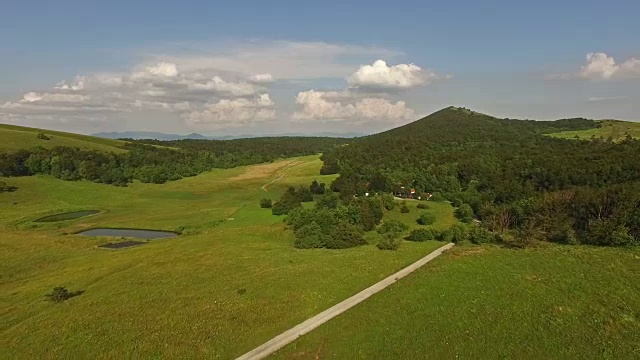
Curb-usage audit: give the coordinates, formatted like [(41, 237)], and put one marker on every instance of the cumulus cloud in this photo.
[(262, 78), (232, 113), (601, 66), (194, 97), (319, 105), (380, 76)]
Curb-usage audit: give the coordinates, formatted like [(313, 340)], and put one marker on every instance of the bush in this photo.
[(309, 236), (392, 226), (42, 136), (60, 294), (420, 235), (389, 242), (327, 201), (316, 188), (464, 213), (6, 188), (283, 207), (304, 194), (456, 234), (266, 203), (422, 206), (480, 235), (404, 209), (426, 219), (345, 235)]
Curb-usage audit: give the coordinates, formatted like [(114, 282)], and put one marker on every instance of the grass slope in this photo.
[(608, 128), (568, 302), (223, 288), (18, 137)]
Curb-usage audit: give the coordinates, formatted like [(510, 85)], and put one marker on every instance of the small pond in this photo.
[(67, 216), (131, 233), (122, 245)]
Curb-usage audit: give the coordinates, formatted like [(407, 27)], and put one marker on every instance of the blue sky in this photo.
[(192, 66)]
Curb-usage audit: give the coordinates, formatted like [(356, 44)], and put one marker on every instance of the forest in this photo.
[(513, 179), (152, 161)]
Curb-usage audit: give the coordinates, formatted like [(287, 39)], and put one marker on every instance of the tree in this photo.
[(420, 235), (266, 203), (316, 188)]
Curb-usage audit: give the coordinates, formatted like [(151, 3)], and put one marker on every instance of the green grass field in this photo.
[(18, 137), (608, 128), (554, 302), (232, 282)]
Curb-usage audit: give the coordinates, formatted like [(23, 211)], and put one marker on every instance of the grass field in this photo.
[(608, 128), (18, 137), (554, 302), (232, 282)]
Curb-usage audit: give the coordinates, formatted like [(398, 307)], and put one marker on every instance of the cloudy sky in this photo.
[(261, 67)]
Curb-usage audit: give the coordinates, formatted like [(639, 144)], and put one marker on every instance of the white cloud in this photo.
[(601, 66), (319, 105), (380, 76), (232, 113), (606, 98), (161, 87), (262, 78), (281, 59)]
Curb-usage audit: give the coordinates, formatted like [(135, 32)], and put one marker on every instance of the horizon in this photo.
[(259, 69)]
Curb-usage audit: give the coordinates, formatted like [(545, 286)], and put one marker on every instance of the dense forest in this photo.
[(512, 177), (157, 164)]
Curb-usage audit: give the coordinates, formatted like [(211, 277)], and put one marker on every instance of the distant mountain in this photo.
[(165, 137), (148, 135)]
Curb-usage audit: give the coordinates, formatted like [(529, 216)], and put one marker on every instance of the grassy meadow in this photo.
[(20, 137), (615, 129), (552, 302), (230, 283)]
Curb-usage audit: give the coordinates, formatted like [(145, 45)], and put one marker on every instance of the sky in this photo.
[(272, 67)]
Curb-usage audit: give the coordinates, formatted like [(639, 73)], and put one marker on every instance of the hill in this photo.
[(509, 172), (614, 129), (142, 135), (14, 137)]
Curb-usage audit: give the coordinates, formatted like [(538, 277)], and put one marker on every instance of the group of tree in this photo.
[(157, 163), (332, 223), (506, 173)]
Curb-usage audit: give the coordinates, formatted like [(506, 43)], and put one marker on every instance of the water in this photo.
[(67, 216), (131, 233)]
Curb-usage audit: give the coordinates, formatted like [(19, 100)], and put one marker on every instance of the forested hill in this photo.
[(502, 167)]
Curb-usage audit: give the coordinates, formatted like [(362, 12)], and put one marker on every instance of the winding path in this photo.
[(292, 334)]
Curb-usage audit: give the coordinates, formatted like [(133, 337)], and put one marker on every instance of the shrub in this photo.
[(309, 236), (392, 226), (459, 233), (345, 235), (283, 207), (60, 294), (422, 206), (327, 201), (421, 235), (6, 188), (304, 194), (316, 188), (426, 219), (388, 201), (266, 203), (404, 209), (464, 213), (389, 242), (42, 136), (480, 235)]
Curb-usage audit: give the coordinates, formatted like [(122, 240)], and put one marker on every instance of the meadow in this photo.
[(487, 302), (232, 281), (20, 137), (617, 130)]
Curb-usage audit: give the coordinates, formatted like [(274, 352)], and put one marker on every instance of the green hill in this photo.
[(14, 137), (615, 129)]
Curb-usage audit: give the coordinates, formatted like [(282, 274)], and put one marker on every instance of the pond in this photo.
[(130, 233), (67, 216)]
